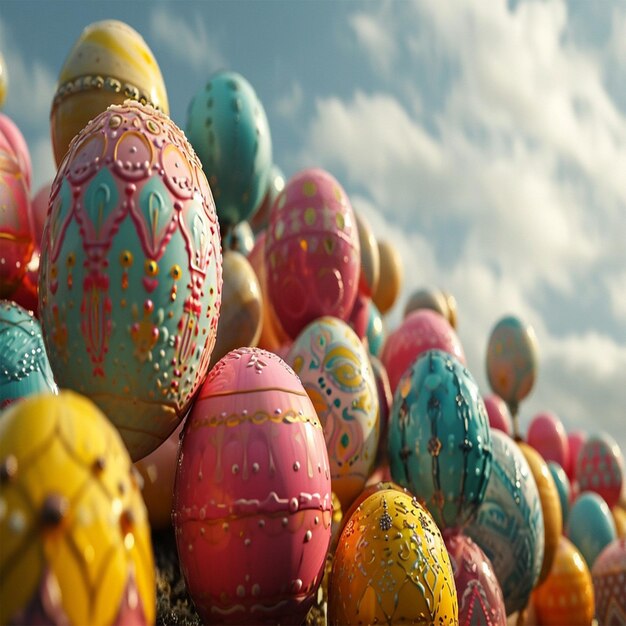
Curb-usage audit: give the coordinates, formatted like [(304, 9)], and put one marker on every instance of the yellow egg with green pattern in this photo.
[(109, 63), (75, 538)]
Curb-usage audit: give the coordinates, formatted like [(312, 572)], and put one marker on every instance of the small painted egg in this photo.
[(359, 318), (562, 486), (228, 128), (509, 524), (390, 278), (252, 499), (439, 438), (619, 517), (239, 238), (566, 598), (609, 583), (370, 257), (600, 467), (375, 332), (575, 441), (423, 330), (260, 218), (109, 63), (391, 566), (23, 359), (312, 252), (76, 545), (385, 401), (39, 211), (4, 80), (590, 526), (498, 413), (336, 373), (478, 590), (432, 299), (130, 278), (453, 310), (547, 435), (11, 134)]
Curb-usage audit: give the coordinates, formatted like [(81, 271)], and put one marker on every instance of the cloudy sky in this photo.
[(487, 140)]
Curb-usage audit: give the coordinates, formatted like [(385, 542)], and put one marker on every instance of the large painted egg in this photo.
[(337, 374), (109, 63), (15, 229), (547, 435), (252, 500), (512, 360), (11, 134), (600, 467), (566, 598), (227, 126), (498, 413), (23, 360), (391, 276), (130, 276), (422, 330), (439, 438), (563, 487), (509, 524), (392, 567), (590, 526), (370, 257), (478, 590), (312, 252), (75, 538), (609, 584)]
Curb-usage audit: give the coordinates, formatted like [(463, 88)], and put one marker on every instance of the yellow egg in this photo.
[(3, 80), (619, 517), (390, 277), (391, 566), (109, 63), (74, 536)]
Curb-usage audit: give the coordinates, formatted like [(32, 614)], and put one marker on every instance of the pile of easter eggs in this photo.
[(192, 343)]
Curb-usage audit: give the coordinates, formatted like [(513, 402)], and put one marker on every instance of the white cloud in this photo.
[(616, 285), (375, 39), (290, 104)]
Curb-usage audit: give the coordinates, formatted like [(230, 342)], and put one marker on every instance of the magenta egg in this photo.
[(498, 413), (421, 330), (13, 136), (609, 583), (547, 435), (312, 252), (252, 498)]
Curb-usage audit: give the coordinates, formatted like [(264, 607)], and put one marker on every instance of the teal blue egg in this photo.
[(239, 238), (590, 526), (439, 438), (375, 332), (24, 366), (228, 128), (562, 486), (509, 524)]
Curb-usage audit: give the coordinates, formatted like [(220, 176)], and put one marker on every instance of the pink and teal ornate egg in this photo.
[(130, 282)]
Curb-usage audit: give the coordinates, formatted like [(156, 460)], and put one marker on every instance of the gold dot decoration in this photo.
[(309, 188), (176, 272), (71, 260), (151, 267), (152, 127), (340, 220), (309, 216), (115, 121), (126, 258)]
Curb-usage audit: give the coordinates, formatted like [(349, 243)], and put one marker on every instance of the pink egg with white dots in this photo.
[(252, 499)]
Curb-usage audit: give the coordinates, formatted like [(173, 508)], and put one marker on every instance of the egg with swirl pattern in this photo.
[(130, 278)]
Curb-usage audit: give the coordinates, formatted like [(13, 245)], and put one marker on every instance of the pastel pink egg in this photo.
[(421, 330), (575, 442), (547, 435), (312, 252), (13, 136), (252, 499), (498, 413), (609, 583), (39, 210)]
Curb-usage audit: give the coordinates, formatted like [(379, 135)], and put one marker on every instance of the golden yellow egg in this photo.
[(74, 535), (109, 63), (566, 596), (433, 299), (453, 314), (391, 566), (370, 257), (390, 278), (550, 506), (619, 517), (3, 80)]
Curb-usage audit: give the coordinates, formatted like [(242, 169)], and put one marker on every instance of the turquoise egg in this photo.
[(590, 526), (228, 128), (509, 525), (439, 438), (375, 332), (562, 486), (24, 365), (130, 276)]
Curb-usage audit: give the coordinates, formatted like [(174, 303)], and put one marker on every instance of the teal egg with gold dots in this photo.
[(130, 275), (439, 440)]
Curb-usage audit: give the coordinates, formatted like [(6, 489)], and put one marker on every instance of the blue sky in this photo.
[(487, 140)]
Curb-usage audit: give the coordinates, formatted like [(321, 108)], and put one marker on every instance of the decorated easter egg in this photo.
[(439, 438), (241, 313), (359, 318), (227, 126), (600, 467), (453, 313), (498, 413), (512, 360), (23, 360), (276, 183), (12, 135), (390, 278), (619, 518), (478, 590), (590, 526), (547, 435), (609, 583), (391, 566), (375, 331), (4, 80), (239, 238), (385, 400), (75, 539), (109, 63), (566, 598), (562, 484), (337, 374), (422, 330), (550, 507), (509, 524), (575, 441), (370, 257), (15, 229), (130, 276), (27, 292), (252, 499), (432, 299), (312, 252), (38, 212)]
